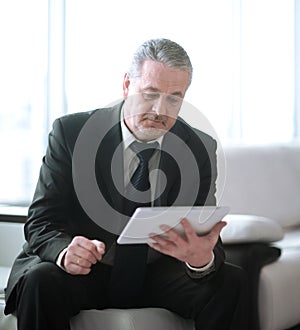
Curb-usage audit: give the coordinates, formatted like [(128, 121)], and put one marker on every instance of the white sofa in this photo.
[(264, 181), (263, 190)]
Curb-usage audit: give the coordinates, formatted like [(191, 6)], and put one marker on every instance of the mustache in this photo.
[(154, 117)]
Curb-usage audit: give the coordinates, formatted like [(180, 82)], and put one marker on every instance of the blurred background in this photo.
[(65, 56)]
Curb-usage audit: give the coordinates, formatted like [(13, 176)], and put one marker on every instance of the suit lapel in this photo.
[(110, 174)]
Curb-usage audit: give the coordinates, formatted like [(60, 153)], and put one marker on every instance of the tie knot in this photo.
[(144, 151)]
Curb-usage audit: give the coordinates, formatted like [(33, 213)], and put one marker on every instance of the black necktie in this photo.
[(128, 273)]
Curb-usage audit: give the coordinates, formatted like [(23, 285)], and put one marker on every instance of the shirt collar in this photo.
[(128, 137)]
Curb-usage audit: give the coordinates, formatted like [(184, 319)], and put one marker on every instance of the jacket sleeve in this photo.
[(207, 195), (46, 229)]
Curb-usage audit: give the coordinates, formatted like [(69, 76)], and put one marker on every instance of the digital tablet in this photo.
[(147, 220)]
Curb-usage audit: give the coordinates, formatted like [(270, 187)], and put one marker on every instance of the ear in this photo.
[(126, 83)]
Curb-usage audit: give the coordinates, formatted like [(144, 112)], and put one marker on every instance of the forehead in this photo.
[(157, 76)]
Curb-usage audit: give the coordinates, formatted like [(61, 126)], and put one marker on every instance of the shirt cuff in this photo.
[(60, 257), (202, 269)]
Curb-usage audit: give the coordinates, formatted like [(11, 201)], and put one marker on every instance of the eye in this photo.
[(150, 96), (174, 100)]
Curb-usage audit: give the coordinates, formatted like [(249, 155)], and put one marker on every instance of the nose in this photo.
[(160, 106)]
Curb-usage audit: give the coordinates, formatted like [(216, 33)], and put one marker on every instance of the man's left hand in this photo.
[(196, 250)]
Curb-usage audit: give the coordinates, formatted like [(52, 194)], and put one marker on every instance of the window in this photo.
[(64, 56), (267, 69), (23, 78), (243, 52)]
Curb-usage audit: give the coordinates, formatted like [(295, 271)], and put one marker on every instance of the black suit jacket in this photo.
[(59, 211)]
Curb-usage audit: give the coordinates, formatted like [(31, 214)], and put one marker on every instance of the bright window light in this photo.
[(65, 56)]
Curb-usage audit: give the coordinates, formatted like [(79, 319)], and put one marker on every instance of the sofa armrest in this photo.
[(244, 228), (252, 257)]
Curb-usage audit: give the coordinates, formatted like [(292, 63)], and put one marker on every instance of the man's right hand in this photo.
[(81, 254)]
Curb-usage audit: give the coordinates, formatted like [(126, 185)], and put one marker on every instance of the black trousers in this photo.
[(47, 297)]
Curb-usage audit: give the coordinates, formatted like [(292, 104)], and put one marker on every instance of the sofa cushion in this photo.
[(243, 228), (131, 319), (4, 273), (291, 239), (7, 322), (11, 241), (263, 180), (117, 319)]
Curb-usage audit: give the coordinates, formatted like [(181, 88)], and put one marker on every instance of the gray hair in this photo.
[(163, 51)]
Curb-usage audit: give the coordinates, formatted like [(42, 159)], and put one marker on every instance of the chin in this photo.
[(148, 134)]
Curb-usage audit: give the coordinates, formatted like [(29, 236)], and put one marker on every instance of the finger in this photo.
[(161, 239), (100, 246), (216, 230), (74, 264), (155, 246), (81, 262), (76, 251), (75, 269), (173, 236), (160, 247), (168, 249), (188, 229), (163, 244), (89, 246)]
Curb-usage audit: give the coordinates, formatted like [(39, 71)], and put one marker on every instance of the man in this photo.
[(83, 200)]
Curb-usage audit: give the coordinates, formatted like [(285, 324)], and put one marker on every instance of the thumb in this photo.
[(99, 245), (218, 228)]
